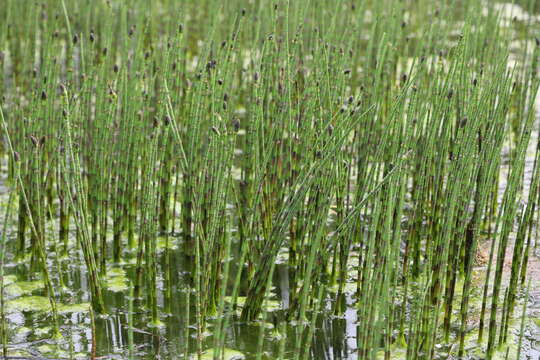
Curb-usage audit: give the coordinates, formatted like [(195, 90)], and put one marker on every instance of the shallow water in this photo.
[(30, 324)]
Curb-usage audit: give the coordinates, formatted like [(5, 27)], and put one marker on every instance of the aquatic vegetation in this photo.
[(29, 303), (269, 179), (228, 354), (23, 288)]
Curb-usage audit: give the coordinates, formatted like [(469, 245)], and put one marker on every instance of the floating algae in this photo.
[(20, 288), (117, 280), (73, 308), (269, 305), (29, 304), (42, 304), (228, 354)]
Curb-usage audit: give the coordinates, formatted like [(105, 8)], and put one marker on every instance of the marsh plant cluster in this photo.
[(273, 165)]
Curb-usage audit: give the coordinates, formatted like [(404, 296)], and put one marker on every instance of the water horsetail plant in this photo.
[(269, 179), (2, 257)]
